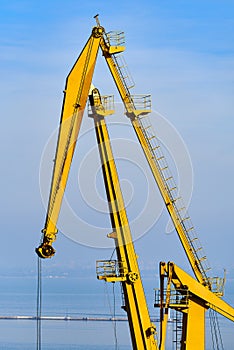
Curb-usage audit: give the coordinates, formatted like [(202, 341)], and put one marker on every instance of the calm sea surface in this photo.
[(74, 297)]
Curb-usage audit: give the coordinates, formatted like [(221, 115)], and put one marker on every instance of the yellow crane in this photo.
[(125, 268), (190, 298)]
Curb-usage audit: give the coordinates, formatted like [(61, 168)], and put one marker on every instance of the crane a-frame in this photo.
[(125, 268), (76, 93)]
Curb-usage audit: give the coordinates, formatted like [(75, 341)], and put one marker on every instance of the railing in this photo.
[(178, 298), (115, 38), (217, 285), (105, 108), (108, 102), (124, 72), (142, 102), (109, 268), (177, 202)]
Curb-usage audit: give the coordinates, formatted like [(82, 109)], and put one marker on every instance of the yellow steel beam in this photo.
[(168, 202), (164, 307), (141, 329), (193, 332), (108, 54), (181, 279), (75, 96), (132, 113)]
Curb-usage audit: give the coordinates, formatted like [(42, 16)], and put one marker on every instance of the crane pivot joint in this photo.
[(151, 331), (132, 277), (97, 32)]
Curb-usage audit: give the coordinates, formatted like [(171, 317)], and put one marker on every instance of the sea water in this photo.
[(61, 296), (72, 297)]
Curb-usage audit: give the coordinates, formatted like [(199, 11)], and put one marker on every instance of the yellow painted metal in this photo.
[(168, 202), (103, 105), (133, 114), (116, 76), (141, 329), (119, 81), (164, 308), (76, 92), (210, 300), (194, 301), (75, 96), (193, 335)]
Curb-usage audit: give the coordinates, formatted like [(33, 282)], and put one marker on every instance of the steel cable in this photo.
[(39, 299), (215, 331)]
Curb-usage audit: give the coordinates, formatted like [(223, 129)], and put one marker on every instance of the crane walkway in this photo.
[(167, 186), (176, 200), (124, 73)]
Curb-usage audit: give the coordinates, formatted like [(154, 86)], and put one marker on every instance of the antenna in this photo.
[(97, 19)]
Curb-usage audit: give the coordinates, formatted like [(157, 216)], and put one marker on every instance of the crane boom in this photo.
[(189, 241), (125, 269), (75, 96), (181, 279)]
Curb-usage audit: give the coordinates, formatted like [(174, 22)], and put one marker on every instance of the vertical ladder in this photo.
[(177, 330)]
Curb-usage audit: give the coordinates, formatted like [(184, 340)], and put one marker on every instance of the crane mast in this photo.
[(125, 269)]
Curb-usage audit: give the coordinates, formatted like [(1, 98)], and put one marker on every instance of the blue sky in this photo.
[(179, 51)]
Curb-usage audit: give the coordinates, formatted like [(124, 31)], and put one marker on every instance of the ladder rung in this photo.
[(183, 208), (190, 229), (208, 269), (160, 158), (147, 127), (168, 178), (203, 258), (193, 240), (176, 199), (152, 137), (156, 148), (197, 250), (162, 169), (187, 218), (173, 188)]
